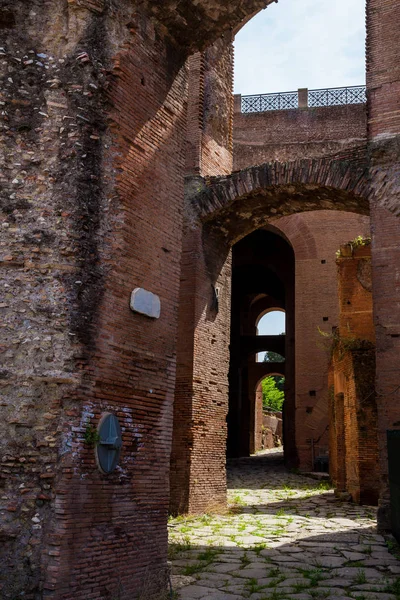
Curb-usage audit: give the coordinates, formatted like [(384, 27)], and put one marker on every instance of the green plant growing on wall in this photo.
[(358, 242), (339, 346), (91, 436)]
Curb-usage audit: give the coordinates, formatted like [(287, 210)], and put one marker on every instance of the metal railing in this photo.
[(303, 98), (263, 102), (337, 96)]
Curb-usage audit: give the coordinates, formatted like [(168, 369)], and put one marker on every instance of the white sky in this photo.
[(272, 323), (302, 43)]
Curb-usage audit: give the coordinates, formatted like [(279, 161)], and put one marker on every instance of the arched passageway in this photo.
[(199, 446), (263, 275)]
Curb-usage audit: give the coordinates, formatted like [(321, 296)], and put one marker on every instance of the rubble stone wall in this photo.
[(93, 152)]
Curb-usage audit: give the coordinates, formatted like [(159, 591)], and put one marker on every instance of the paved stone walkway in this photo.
[(286, 537)]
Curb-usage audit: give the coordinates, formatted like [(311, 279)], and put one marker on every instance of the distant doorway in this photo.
[(262, 345)]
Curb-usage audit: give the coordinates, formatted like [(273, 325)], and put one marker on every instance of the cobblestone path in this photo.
[(286, 537)]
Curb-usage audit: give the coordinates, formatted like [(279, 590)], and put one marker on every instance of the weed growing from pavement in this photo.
[(360, 578), (393, 588)]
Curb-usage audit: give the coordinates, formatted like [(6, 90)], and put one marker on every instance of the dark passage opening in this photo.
[(263, 274)]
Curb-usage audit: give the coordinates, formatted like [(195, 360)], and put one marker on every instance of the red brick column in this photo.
[(383, 84), (354, 377), (198, 478), (210, 111), (198, 481), (337, 451), (258, 429)]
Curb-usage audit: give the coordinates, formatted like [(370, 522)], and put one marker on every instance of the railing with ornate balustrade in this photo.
[(263, 102), (337, 96), (303, 98)]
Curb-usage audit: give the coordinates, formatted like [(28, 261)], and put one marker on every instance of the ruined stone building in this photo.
[(128, 166)]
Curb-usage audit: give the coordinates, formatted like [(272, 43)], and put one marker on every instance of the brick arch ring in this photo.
[(237, 204)]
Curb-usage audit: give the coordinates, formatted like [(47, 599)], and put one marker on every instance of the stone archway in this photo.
[(220, 211), (279, 189), (196, 25)]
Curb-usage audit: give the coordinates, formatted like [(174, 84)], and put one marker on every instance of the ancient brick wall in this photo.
[(270, 435), (258, 425), (337, 438), (284, 135), (354, 452), (210, 111), (93, 159), (354, 401), (383, 81), (315, 238), (198, 480), (355, 291)]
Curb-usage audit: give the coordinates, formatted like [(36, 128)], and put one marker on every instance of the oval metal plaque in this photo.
[(108, 449)]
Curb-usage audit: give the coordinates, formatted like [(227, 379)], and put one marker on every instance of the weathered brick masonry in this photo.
[(221, 210), (314, 238), (94, 112), (201, 396), (284, 135), (94, 118), (353, 402), (383, 83)]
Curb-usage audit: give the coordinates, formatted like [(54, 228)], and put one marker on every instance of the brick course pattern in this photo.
[(92, 182), (353, 402), (287, 135), (280, 189), (383, 87), (93, 160), (315, 236)]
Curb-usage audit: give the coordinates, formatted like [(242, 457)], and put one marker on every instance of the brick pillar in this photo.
[(303, 97), (194, 129), (210, 111), (259, 419), (198, 477), (354, 366), (237, 103), (383, 87), (340, 443), (198, 480), (94, 156)]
